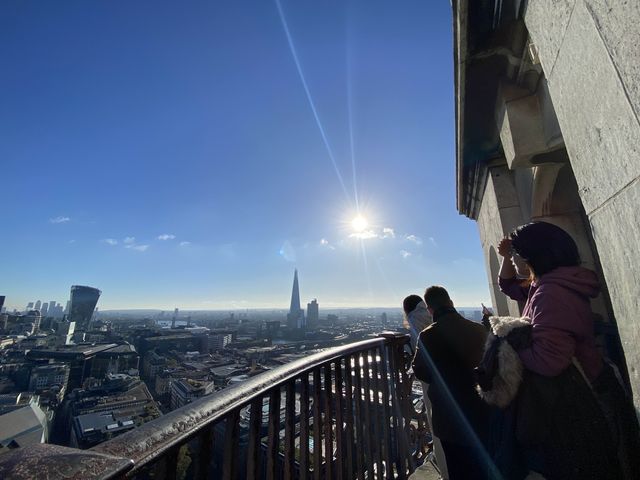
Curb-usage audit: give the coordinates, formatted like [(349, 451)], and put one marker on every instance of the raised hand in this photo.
[(504, 247)]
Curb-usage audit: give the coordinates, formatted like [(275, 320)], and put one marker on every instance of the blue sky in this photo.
[(167, 153)]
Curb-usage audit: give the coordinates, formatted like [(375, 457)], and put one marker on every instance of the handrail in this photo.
[(154, 438)]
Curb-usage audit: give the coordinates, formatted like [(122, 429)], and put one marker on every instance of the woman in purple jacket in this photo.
[(560, 348), (557, 292)]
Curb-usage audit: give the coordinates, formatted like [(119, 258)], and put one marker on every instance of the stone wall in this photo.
[(500, 213), (590, 53)]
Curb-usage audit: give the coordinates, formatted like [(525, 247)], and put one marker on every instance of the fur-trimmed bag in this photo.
[(556, 424), (499, 375)]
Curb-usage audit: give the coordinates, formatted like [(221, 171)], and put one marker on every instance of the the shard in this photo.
[(295, 317)]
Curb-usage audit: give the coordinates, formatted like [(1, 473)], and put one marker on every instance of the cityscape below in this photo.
[(77, 376)]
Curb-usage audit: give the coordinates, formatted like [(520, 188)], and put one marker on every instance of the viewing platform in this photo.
[(346, 412)]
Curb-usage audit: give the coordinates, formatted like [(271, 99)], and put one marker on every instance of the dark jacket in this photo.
[(447, 352)]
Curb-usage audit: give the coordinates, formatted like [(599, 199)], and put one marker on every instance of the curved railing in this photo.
[(346, 412)]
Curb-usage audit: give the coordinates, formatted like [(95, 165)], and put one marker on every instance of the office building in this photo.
[(45, 377), (214, 342), (187, 390), (82, 305), (313, 313), (175, 317)]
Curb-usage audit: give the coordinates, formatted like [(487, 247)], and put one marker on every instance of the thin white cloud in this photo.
[(433, 241), (139, 248), (414, 239), (185, 244), (129, 240), (59, 220), (72, 241), (364, 235), (110, 241), (405, 254), (166, 236), (388, 233)]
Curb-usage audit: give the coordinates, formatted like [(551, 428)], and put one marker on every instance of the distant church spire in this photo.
[(295, 318)]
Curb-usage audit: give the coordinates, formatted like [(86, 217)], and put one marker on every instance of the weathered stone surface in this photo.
[(522, 130), (499, 213), (53, 461), (498, 299), (523, 179), (547, 22), (504, 188), (617, 22), (616, 230), (599, 126)]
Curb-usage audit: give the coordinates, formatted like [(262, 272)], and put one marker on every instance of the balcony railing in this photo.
[(346, 412)]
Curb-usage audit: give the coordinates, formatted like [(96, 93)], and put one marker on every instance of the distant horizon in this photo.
[(283, 310), (255, 309)]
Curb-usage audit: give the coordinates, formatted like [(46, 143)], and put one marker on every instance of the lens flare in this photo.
[(359, 224)]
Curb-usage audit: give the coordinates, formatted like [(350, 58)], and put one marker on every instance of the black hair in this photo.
[(437, 297), (545, 247), (410, 302)]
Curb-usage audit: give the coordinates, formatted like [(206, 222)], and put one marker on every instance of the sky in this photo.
[(192, 154)]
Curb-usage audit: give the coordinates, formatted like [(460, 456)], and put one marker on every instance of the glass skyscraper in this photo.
[(295, 318), (82, 304)]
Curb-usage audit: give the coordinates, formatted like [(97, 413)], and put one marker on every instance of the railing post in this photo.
[(368, 433), (289, 431), (386, 411), (274, 434), (205, 442), (340, 467), (378, 418), (255, 441), (395, 407), (359, 421), (170, 467), (304, 426), (349, 420), (317, 425), (407, 384), (231, 431), (328, 424)]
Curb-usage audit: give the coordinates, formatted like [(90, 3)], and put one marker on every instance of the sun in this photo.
[(359, 223)]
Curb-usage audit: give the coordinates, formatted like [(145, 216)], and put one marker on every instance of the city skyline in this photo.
[(166, 170)]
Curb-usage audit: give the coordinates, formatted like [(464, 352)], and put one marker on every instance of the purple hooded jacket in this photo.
[(558, 306)]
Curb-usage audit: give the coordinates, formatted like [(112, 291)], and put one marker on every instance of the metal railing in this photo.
[(344, 413)]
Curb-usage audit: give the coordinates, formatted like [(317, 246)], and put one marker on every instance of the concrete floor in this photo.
[(426, 471)]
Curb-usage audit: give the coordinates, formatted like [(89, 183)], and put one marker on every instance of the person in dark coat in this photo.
[(447, 352), (416, 318)]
